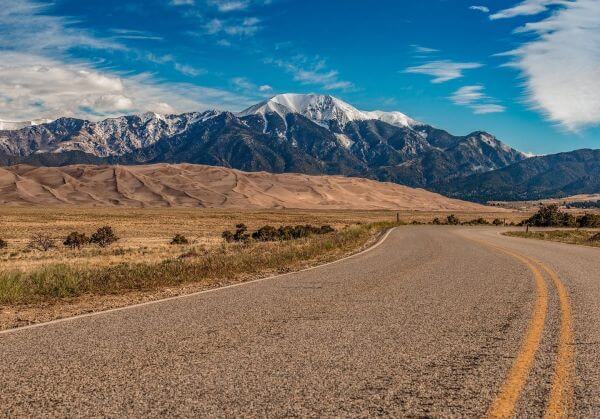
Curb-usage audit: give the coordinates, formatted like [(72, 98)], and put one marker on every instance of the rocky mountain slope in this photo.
[(310, 134), (209, 186), (551, 176)]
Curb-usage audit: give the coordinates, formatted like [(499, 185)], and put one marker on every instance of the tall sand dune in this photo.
[(189, 185)]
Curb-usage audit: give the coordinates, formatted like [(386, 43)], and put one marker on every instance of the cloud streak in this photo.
[(443, 70), (482, 9), (475, 98), (312, 72), (528, 8)]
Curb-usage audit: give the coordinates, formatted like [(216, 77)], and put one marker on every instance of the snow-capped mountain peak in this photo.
[(323, 109)]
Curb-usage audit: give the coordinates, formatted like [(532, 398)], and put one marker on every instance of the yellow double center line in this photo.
[(560, 401)]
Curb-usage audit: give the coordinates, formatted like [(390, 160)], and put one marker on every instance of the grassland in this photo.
[(581, 237), (143, 265)]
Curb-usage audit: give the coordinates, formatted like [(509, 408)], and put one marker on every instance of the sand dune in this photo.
[(189, 185)]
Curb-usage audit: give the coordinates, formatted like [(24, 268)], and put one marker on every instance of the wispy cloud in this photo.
[(230, 5), (245, 86), (443, 70), (424, 50), (134, 34), (182, 2), (184, 69), (312, 71), (39, 77), (561, 65), (241, 27), (482, 9), (475, 98), (528, 8)]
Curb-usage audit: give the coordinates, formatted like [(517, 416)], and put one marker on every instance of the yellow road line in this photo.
[(503, 405), (560, 402)]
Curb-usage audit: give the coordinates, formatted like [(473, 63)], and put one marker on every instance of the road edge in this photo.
[(383, 237)]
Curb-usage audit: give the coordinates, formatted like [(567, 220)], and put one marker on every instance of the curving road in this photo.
[(435, 321)]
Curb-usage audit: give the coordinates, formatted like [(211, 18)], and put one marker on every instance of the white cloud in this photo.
[(241, 27), (487, 108), (528, 8), (265, 88), (443, 70), (39, 78), (424, 50), (25, 27), (307, 71), (474, 98), (230, 5), (34, 86), (482, 9), (184, 69), (182, 2), (561, 66)]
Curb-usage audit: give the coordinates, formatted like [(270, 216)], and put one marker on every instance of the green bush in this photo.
[(104, 237), (552, 216), (76, 240), (179, 240)]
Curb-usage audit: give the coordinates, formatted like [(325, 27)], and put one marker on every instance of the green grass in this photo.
[(581, 237), (227, 262)]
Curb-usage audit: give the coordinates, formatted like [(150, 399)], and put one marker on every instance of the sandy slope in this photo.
[(207, 186)]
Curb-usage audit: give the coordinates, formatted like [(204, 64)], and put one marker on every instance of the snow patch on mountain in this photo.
[(323, 109)]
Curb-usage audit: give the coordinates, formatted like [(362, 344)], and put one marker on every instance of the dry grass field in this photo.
[(583, 237), (142, 265), (145, 233)]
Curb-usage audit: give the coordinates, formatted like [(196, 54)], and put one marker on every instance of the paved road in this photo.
[(435, 321)]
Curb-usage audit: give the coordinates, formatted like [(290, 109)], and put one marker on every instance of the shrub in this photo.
[(326, 229), (551, 216), (589, 221), (595, 237), (270, 233), (240, 234), (479, 221), (498, 222), (436, 221), (179, 239), (452, 220), (41, 241), (76, 240), (266, 234), (3, 244), (104, 237)]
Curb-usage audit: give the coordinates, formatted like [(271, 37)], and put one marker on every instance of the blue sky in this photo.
[(528, 72)]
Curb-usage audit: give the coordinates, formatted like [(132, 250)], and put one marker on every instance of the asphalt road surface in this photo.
[(435, 321)]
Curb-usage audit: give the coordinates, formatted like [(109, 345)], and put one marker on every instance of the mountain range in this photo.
[(303, 133)]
